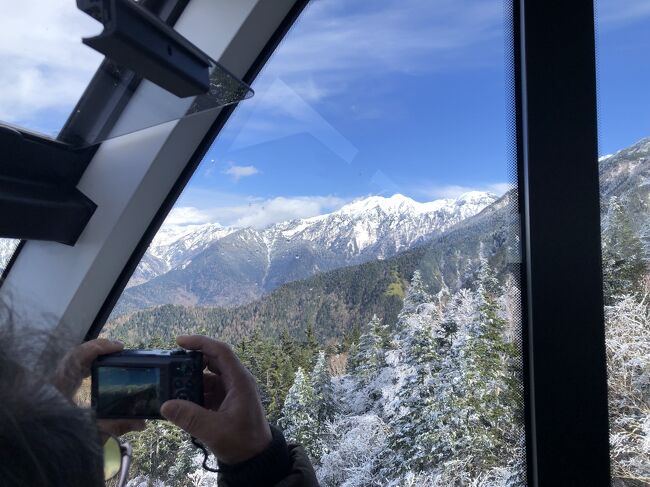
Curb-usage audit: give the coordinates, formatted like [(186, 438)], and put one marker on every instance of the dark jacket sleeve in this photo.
[(279, 465), (302, 473)]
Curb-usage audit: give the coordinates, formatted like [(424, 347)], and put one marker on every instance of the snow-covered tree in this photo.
[(416, 294), (162, 452), (355, 450), (628, 372), (459, 322), (369, 355), (644, 236), (299, 419), (491, 401), (321, 382), (420, 336), (623, 264)]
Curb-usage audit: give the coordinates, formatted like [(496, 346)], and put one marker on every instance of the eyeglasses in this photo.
[(117, 458)]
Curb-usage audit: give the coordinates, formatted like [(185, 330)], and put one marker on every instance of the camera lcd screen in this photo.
[(128, 391)]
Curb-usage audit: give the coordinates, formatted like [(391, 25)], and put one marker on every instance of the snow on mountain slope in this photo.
[(175, 245), (391, 223), (210, 262), (373, 224)]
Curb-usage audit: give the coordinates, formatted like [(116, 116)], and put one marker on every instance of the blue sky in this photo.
[(363, 97)]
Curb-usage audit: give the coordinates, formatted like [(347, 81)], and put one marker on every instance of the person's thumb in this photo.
[(187, 415)]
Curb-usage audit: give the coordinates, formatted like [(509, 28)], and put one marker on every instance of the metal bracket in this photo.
[(135, 38), (38, 195)]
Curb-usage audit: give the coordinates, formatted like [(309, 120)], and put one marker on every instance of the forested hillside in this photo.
[(407, 371), (435, 398)]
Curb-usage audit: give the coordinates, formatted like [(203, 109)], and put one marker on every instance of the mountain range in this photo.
[(337, 302), (217, 266)]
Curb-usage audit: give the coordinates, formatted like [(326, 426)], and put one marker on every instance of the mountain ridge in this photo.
[(234, 266)]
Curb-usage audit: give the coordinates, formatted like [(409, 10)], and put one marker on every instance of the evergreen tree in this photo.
[(311, 340), (644, 236), (321, 382), (161, 453), (309, 349), (353, 355), (416, 294), (369, 356), (299, 419), (383, 332), (490, 399), (412, 422), (623, 264)]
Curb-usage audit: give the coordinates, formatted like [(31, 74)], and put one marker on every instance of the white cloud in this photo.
[(45, 67), (617, 13), (256, 213), (435, 191), (187, 215), (238, 172), (337, 39)]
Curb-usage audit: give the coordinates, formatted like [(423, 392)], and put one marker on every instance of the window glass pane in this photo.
[(352, 234), (624, 126), (45, 67)]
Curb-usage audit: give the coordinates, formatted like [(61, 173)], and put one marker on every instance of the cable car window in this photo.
[(55, 87), (624, 165), (352, 232), (45, 67)]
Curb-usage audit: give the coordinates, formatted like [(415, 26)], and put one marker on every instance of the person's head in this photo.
[(45, 440)]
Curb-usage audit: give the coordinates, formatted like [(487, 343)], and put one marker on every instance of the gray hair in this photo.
[(45, 440)]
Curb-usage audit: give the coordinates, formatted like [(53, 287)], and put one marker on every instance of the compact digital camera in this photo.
[(135, 383)]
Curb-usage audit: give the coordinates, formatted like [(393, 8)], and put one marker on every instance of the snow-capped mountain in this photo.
[(210, 264), (381, 225), (175, 245)]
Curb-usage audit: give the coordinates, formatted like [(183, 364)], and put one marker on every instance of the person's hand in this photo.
[(75, 367), (232, 424)]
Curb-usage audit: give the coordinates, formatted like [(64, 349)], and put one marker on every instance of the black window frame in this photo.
[(557, 136)]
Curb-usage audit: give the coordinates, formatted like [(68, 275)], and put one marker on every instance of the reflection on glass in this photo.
[(152, 105)]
